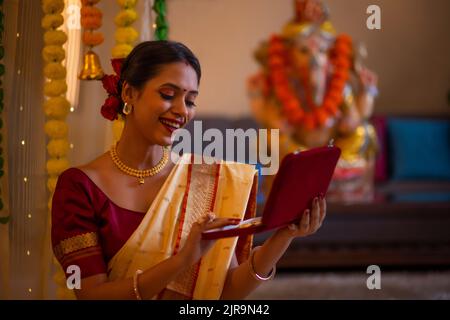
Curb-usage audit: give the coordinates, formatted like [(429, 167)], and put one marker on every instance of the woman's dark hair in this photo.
[(146, 60)]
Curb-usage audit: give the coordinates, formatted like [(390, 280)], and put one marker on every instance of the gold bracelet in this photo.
[(251, 263), (135, 284)]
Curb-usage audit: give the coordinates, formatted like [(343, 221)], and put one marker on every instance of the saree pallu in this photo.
[(191, 190)]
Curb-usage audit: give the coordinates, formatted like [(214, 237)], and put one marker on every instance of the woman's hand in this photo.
[(195, 247), (310, 222)]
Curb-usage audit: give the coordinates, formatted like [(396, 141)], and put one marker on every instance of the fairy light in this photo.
[(28, 252), (22, 142), (18, 34), (154, 26), (21, 108), (71, 146), (72, 109), (29, 216), (29, 290), (25, 179), (18, 72)]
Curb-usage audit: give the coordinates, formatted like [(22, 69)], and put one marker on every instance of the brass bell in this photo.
[(92, 70)]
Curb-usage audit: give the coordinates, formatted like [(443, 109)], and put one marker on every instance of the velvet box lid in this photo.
[(302, 176)]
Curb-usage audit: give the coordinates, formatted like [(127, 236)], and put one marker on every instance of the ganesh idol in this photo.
[(314, 88)]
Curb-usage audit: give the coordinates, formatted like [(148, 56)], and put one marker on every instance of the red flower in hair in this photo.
[(110, 83), (111, 108), (117, 65)]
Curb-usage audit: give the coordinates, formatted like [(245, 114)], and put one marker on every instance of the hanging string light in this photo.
[(3, 219)]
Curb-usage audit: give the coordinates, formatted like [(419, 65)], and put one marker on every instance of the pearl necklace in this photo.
[(140, 174)]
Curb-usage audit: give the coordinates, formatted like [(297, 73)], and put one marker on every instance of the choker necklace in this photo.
[(140, 174)]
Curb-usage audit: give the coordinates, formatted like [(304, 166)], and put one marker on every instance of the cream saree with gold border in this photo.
[(228, 189)]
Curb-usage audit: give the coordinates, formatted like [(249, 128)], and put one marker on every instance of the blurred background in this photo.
[(390, 208)]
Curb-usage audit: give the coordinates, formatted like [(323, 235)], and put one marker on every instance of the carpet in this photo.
[(404, 285)]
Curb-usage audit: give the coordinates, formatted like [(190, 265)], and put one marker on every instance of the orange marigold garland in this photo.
[(316, 116), (91, 20)]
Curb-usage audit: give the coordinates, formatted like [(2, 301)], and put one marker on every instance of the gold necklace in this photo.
[(140, 174)]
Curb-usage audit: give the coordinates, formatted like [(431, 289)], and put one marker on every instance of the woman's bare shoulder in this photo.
[(97, 166)]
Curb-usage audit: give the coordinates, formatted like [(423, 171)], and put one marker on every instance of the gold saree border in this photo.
[(71, 258), (212, 200), (75, 243)]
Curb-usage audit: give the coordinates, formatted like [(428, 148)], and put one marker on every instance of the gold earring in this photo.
[(127, 108)]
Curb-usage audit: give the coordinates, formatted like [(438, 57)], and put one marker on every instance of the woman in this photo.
[(132, 221)]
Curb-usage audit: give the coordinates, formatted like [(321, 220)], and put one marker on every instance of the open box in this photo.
[(302, 176)]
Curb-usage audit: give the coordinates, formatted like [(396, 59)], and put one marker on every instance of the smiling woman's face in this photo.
[(165, 103)]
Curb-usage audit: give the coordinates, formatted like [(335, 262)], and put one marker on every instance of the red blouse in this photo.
[(87, 227)]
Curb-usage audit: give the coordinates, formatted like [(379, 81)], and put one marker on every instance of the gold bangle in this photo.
[(135, 284), (251, 263)]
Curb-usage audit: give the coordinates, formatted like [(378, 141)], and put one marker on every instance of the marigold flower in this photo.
[(52, 6), (57, 166), (55, 37), (56, 129), (50, 21), (92, 38), (53, 53), (57, 108), (55, 88)]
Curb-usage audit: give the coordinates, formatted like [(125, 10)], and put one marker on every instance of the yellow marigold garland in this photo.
[(58, 148), (52, 21), (52, 6), (125, 37), (55, 71), (51, 184), (55, 37), (55, 88), (56, 106), (56, 129), (53, 53), (57, 165)]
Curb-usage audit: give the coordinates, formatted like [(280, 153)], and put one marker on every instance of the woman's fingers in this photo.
[(304, 222), (200, 224), (209, 221), (315, 216), (323, 209), (220, 222), (311, 220)]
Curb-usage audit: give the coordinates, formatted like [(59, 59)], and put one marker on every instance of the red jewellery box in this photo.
[(302, 176)]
